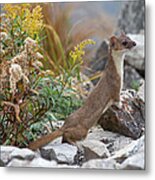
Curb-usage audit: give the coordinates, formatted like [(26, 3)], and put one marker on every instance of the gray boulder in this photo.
[(62, 153), (132, 156), (134, 147), (129, 157), (135, 162), (5, 152), (93, 149), (24, 153), (128, 120)]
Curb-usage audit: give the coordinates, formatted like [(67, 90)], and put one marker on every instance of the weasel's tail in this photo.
[(45, 139)]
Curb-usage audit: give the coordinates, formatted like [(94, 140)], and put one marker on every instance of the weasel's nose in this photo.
[(134, 44)]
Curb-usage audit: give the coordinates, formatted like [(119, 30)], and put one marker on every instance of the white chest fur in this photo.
[(118, 57)]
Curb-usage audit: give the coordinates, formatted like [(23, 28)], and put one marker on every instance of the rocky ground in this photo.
[(100, 150), (104, 147)]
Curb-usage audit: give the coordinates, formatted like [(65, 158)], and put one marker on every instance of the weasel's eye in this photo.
[(124, 43)]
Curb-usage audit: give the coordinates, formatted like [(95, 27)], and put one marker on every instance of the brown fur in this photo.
[(106, 92)]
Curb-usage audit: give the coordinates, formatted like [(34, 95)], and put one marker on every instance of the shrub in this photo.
[(30, 96)]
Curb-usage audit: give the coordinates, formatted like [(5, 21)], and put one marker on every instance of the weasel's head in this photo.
[(121, 43)]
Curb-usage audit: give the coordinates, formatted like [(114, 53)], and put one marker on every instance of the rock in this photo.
[(135, 162), (36, 162), (100, 150), (24, 153), (48, 153), (113, 141), (134, 147), (128, 120), (132, 16), (136, 57), (100, 164), (62, 153), (132, 78), (5, 152), (97, 133), (129, 157), (80, 158), (94, 149)]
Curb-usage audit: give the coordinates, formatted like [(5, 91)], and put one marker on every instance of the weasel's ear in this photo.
[(113, 41)]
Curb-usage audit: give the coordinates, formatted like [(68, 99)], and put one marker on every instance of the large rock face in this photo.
[(132, 16)]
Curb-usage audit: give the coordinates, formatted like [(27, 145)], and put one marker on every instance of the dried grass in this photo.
[(63, 35)]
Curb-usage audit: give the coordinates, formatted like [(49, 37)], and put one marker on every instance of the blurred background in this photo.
[(74, 22)]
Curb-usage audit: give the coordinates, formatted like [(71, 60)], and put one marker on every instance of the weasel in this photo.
[(106, 93)]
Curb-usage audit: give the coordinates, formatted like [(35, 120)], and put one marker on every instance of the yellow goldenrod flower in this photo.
[(78, 52), (33, 22), (30, 20), (13, 10)]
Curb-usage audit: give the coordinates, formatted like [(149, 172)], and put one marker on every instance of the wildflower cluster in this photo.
[(20, 69), (12, 11), (33, 22), (79, 52), (24, 19)]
